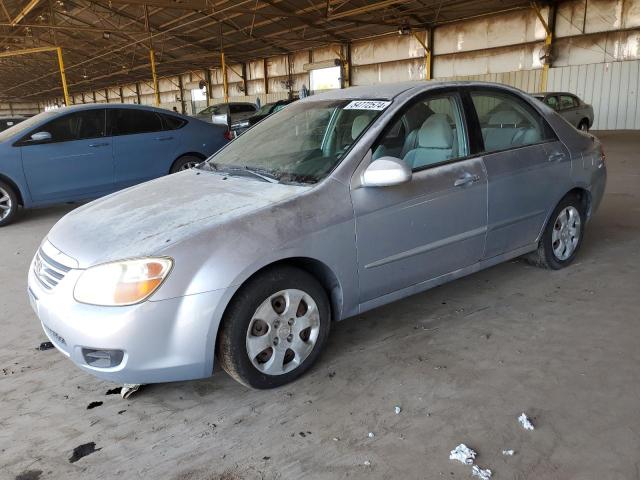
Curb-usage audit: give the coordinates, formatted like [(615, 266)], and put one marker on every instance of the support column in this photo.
[(156, 89), (549, 27), (426, 44), (225, 85), (207, 76), (264, 75), (138, 93), (181, 87), (63, 77)]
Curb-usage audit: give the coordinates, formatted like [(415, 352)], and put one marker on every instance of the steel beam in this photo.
[(154, 74), (63, 77), (24, 12)]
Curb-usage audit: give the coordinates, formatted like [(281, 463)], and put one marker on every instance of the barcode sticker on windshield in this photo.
[(367, 105)]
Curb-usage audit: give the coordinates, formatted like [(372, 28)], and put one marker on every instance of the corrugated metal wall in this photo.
[(612, 89)]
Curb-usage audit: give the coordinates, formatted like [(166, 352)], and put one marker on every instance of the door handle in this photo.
[(102, 144), (466, 179), (556, 157), (164, 139)]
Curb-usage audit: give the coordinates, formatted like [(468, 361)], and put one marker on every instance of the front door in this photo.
[(434, 224), (527, 167), (76, 163)]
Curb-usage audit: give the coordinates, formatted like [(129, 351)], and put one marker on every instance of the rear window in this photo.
[(130, 121), (170, 122)]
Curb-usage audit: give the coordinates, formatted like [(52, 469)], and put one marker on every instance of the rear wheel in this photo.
[(8, 204), (274, 328), (562, 236), (584, 125), (185, 163)]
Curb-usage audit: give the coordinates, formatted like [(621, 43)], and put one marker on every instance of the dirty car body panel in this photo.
[(367, 245)]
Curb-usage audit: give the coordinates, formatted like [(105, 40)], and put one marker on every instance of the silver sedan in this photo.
[(570, 107), (340, 203)]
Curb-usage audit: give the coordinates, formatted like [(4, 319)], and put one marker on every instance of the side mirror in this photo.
[(386, 172), (41, 137)]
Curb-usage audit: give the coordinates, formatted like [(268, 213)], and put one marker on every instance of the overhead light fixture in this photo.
[(106, 35)]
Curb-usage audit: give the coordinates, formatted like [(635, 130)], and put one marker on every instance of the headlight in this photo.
[(122, 283)]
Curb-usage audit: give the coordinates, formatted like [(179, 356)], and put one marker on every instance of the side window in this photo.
[(170, 122), (76, 126), (241, 108), (431, 131), (508, 122), (131, 121), (552, 101), (567, 101)]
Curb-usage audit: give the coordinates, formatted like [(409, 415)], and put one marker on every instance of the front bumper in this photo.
[(162, 341)]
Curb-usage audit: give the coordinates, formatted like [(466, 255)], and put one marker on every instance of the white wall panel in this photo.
[(612, 89)]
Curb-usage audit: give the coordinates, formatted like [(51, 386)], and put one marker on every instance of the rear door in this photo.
[(528, 168), (76, 163), (143, 149), (570, 109)]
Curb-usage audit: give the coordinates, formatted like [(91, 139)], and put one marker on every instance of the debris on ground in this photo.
[(82, 451), (93, 405), (525, 422), (45, 346), (129, 389), (367, 463), (114, 391), (463, 454), (120, 412), (371, 435), (485, 474), (336, 439), (508, 453), (29, 475), (397, 409)]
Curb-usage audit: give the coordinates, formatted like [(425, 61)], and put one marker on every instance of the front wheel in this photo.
[(584, 125), (8, 204), (562, 237), (274, 328)]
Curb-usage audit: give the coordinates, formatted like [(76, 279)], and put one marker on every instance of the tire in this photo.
[(8, 204), (185, 163), (550, 253), (584, 125), (262, 315)]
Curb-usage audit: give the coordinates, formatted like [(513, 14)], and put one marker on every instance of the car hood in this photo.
[(147, 218)]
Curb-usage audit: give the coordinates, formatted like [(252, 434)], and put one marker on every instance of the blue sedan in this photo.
[(87, 151)]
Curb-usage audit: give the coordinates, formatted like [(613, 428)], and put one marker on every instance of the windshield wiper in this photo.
[(265, 175)]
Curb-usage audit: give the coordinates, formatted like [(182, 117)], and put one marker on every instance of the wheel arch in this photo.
[(187, 154), (318, 269), (15, 187), (583, 194)]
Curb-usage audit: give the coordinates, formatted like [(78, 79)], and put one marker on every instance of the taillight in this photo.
[(228, 135)]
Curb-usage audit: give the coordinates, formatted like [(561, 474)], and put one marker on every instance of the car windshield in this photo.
[(265, 109), (208, 110), (301, 143), (22, 127)]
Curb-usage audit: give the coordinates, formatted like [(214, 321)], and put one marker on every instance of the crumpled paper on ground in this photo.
[(485, 474), (463, 454)]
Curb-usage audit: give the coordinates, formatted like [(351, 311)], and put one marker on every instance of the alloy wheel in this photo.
[(6, 204)]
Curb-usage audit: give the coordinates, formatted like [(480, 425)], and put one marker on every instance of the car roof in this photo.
[(132, 106), (389, 91), (543, 94)]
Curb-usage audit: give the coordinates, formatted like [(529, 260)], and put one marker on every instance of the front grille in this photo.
[(48, 272)]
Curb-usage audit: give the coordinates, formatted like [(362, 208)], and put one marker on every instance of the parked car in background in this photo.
[(267, 109), (86, 151), (575, 111), (227, 113), (315, 215), (8, 122)]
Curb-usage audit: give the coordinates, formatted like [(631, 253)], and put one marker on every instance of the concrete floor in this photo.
[(462, 360)]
